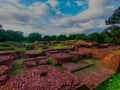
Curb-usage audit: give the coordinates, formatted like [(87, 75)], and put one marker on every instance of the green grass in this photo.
[(17, 67), (112, 83), (88, 69), (22, 49), (116, 51), (58, 46), (61, 67), (40, 49)]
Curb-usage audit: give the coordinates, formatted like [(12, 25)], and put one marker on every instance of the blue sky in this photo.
[(50, 17)]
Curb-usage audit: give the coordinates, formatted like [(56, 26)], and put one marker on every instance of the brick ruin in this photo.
[(43, 76)]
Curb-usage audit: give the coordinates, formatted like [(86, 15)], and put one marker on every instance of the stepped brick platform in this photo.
[(43, 61), (72, 67), (6, 60), (95, 78), (3, 69), (109, 65), (28, 63), (7, 53), (80, 55), (33, 62), (49, 53), (33, 53), (44, 77), (60, 58), (111, 61), (96, 53)]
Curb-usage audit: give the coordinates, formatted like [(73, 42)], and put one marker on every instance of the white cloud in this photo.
[(17, 16), (39, 8), (97, 9), (68, 4), (79, 3), (53, 3)]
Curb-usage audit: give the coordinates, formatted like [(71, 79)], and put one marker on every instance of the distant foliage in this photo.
[(34, 37), (115, 18)]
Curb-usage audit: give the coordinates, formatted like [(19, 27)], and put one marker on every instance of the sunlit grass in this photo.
[(59, 46), (112, 83), (22, 49), (17, 67)]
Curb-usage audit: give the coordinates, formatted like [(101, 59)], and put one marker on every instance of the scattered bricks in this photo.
[(43, 62), (6, 53), (6, 60), (33, 53), (44, 77), (80, 55), (28, 63), (95, 78), (49, 53), (3, 80), (60, 58), (111, 61), (3, 69)]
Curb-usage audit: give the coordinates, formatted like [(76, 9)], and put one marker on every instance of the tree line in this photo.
[(109, 35)]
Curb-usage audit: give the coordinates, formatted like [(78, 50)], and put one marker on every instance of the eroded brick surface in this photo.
[(54, 79), (60, 58), (32, 53)]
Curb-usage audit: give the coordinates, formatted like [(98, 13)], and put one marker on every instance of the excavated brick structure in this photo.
[(80, 55), (11, 53), (109, 65), (60, 58), (43, 77), (33, 53)]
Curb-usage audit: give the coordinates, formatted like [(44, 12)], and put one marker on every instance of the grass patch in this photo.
[(40, 49), (22, 49), (58, 46), (17, 67), (61, 67), (112, 83), (116, 51)]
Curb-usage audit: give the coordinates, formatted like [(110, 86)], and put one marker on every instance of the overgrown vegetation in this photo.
[(17, 67), (112, 83)]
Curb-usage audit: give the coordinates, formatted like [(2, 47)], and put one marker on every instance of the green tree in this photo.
[(15, 35), (53, 37), (115, 18), (112, 33), (4, 36), (81, 36), (72, 37), (97, 37), (34, 37), (46, 38), (61, 38)]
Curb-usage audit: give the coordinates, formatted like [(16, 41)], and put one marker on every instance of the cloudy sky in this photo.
[(50, 17)]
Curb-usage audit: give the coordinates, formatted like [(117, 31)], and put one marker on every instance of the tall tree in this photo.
[(34, 37), (112, 33)]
